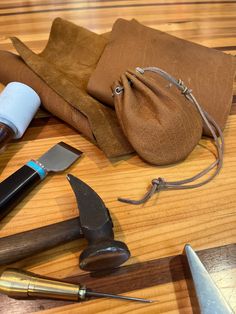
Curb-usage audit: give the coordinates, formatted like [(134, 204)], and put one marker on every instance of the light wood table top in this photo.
[(157, 231)]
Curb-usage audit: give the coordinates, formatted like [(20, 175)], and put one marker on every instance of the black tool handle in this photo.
[(15, 187), (28, 243)]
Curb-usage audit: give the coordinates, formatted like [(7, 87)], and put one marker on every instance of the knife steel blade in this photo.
[(59, 157), (209, 297), (16, 186)]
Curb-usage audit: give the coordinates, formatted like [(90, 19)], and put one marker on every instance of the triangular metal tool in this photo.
[(209, 297)]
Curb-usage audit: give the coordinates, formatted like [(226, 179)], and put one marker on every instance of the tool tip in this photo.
[(143, 300), (70, 177), (188, 249)]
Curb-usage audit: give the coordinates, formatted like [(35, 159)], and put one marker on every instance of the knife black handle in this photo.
[(16, 186)]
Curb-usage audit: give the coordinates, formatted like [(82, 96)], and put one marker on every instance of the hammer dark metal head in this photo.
[(103, 252)]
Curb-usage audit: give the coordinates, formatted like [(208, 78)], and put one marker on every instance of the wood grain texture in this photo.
[(156, 273), (156, 231)]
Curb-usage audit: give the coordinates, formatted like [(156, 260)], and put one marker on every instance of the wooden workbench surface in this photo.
[(157, 231)]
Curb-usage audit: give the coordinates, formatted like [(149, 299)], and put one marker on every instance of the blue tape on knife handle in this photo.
[(42, 172)]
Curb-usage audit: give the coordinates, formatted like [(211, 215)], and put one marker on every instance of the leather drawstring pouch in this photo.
[(162, 127), (162, 124)]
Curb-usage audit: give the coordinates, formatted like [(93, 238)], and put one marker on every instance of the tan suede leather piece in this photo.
[(208, 72), (65, 65), (162, 129), (13, 69)]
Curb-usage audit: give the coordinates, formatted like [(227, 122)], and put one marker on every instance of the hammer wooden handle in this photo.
[(25, 244)]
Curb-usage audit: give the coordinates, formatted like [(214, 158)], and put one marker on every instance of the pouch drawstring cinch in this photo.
[(160, 183)]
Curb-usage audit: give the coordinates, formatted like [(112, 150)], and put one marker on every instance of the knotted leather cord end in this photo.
[(184, 89), (140, 70), (157, 186)]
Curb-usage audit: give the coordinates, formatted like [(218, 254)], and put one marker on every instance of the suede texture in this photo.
[(13, 69), (65, 65), (208, 72), (162, 129)]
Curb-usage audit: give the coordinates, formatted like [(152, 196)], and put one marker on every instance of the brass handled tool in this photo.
[(94, 224), (16, 186), (19, 284)]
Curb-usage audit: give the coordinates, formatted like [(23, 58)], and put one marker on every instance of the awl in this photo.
[(20, 284), (16, 186)]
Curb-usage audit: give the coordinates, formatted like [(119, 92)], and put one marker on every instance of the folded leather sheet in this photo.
[(14, 69), (65, 65), (208, 72)]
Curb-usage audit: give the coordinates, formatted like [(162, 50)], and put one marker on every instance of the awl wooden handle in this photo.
[(25, 244)]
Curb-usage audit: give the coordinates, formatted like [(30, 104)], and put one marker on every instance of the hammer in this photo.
[(94, 224)]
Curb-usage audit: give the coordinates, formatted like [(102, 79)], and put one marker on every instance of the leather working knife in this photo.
[(209, 297), (15, 187)]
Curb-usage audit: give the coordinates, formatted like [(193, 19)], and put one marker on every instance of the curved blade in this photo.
[(93, 212)]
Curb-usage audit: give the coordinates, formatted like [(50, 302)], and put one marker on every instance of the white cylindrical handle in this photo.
[(18, 105)]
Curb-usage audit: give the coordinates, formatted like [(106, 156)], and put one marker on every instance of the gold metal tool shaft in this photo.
[(20, 284)]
